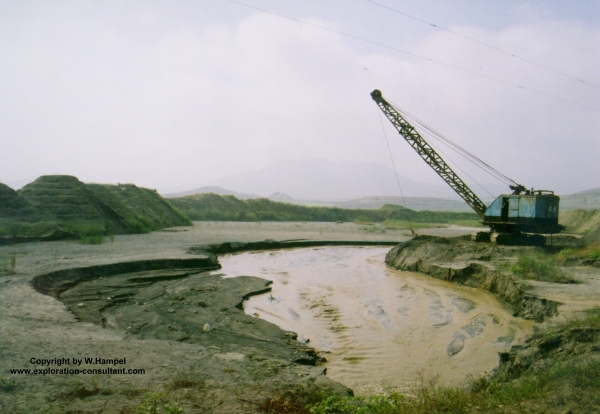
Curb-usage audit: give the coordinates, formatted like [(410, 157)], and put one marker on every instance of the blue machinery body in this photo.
[(510, 215), (533, 213)]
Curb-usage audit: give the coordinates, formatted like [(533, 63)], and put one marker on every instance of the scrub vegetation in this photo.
[(540, 267), (8, 263), (213, 207), (584, 253)]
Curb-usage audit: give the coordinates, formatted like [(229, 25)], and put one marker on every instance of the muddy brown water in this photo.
[(379, 329)]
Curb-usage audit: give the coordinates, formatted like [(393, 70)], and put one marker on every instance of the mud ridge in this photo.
[(470, 264), (235, 247), (54, 283)]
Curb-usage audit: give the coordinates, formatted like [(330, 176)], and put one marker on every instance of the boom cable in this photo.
[(458, 149)]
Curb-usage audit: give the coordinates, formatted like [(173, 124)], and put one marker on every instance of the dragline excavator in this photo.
[(518, 218)]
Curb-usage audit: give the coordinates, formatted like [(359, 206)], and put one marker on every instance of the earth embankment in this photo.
[(477, 265)]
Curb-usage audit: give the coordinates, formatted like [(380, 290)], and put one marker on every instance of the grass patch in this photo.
[(563, 384), (591, 251), (91, 239), (8, 264), (293, 401), (540, 267), (551, 331), (82, 390), (186, 379), (154, 403), (7, 385)]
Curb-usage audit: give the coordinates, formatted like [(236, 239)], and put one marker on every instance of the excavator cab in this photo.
[(533, 212)]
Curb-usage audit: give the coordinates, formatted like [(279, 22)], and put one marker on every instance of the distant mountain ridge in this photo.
[(214, 190), (590, 191), (588, 199), (320, 179)]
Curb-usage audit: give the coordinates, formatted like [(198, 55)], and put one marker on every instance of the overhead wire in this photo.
[(484, 44), (415, 55)]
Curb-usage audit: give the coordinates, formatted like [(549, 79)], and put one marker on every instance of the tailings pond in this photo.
[(379, 329)]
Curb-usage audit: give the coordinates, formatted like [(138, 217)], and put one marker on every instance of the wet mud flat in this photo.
[(180, 324), (235, 361), (197, 347), (379, 329)]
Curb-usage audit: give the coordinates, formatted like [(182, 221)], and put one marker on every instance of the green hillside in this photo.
[(12, 206), (213, 207), (67, 208)]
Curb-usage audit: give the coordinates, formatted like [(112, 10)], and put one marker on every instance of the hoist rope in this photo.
[(412, 230)]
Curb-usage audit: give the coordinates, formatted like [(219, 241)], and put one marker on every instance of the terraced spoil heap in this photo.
[(63, 202), (139, 209), (14, 207), (64, 198)]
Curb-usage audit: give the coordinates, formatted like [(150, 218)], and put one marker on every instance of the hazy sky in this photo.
[(173, 94)]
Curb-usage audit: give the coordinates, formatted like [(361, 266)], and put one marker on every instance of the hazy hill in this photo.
[(590, 191), (319, 179), (588, 199), (214, 190), (581, 221)]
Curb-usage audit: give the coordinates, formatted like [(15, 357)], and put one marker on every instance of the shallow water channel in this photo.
[(378, 328)]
